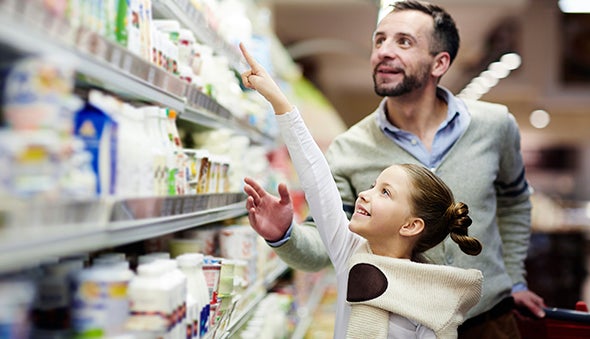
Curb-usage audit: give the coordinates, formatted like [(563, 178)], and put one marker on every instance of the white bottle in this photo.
[(189, 264), (175, 281), (148, 301), (156, 146), (104, 311), (203, 295), (144, 158), (132, 155), (124, 156)]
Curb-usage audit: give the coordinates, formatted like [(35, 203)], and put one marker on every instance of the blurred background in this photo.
[(331, 41)]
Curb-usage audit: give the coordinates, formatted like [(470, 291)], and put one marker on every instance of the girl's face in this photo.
[(382, 210)]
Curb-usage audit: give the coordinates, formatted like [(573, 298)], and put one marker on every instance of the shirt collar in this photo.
[(455, 107)]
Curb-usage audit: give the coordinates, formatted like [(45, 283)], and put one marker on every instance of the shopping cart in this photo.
[(559, 323)]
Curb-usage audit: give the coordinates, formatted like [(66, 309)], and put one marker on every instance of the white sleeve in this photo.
[(320, 189)]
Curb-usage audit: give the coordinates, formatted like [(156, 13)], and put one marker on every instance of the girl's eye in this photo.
[(385, 192)]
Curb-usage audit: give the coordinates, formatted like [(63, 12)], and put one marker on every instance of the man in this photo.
[(473, 146)]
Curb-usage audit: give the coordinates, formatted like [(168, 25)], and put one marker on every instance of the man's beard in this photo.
[(408, 84)]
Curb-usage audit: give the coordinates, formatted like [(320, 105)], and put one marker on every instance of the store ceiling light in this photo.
[(512, 60), (574, 6), (539, 118), (486, 80), (499, 69)]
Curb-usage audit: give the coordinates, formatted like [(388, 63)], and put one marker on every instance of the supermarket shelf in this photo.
[(252, 297), (38, 231), (100, 60), (191, 18), (201, 117), (306, 312), (27, 28), (33, 231)]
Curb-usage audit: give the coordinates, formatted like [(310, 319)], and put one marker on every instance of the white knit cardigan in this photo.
[(435, 296)]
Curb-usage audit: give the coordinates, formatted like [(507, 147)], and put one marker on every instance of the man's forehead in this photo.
[(407, 21)]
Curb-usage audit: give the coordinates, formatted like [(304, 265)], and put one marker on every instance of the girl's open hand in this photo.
[(269, 216)]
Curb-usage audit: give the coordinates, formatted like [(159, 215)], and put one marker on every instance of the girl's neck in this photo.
[(398, 251)]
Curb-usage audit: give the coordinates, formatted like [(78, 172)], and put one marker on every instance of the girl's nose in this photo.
[(364, 195)]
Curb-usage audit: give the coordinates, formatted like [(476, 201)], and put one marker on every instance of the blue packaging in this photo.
[(98, 130)]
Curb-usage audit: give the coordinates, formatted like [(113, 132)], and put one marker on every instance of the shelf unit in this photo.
[(117, 69), (53, 230), (306, 312), (112, 67), (32, 231)]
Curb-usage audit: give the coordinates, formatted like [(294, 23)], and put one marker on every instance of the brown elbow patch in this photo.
[(365, 282)]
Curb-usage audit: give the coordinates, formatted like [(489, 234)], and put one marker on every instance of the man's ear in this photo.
[(414, 227), (442, 62)]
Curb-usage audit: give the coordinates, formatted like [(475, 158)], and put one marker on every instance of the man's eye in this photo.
[(405, 42)]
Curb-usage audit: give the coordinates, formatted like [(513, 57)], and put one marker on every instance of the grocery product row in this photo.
[(125, 136), (91, 130), (216, 281), (93, 161), (201, 282)]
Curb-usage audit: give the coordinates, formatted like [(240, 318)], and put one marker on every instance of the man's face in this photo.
[(401, 58)]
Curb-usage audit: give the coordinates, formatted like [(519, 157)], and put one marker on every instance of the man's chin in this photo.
[(386, 92)]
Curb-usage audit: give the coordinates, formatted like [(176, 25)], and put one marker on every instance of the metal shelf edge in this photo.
[(24, 247)]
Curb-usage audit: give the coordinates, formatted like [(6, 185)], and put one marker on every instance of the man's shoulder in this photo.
[(488, 116), (480, 108), (366, 125)]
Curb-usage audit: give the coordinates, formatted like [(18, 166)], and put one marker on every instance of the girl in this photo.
[(385, 289)]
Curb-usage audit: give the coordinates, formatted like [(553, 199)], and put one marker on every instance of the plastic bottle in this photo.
[(143, 161), (171, 164), (16, 298), (149, 302), (174, 281), (212, 270), (100, 306), (158, 166), (51, 308), (191, 265)]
